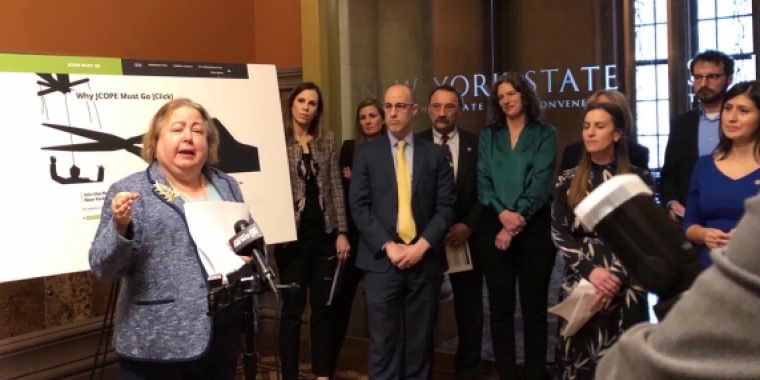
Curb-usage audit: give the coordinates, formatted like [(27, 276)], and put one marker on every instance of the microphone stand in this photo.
[(104, 341), (219, 296), (239, 287), (250, 357)]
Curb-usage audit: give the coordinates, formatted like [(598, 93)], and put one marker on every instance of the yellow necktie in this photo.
[(406, 228)]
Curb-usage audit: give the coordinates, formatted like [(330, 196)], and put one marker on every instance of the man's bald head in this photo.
[(399, 109), (403, 88)]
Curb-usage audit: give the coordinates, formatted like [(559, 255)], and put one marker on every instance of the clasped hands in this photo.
[(606, 286), (512, 224), (458, 234), (404, 256)]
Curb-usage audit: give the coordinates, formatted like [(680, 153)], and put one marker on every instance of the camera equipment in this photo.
[(652, 248), (251, 279)]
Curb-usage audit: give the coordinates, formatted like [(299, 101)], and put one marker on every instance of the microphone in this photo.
[(248, 241), (651, 247)]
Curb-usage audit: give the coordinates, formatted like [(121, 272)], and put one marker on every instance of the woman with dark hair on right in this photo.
[(516, 156), (617, 304), (709, 333), (721, 182), (368, 125)]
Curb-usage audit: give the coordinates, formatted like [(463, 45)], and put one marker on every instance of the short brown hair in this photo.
[(150, 138), (530, 101), (447, 88), (617, 98)]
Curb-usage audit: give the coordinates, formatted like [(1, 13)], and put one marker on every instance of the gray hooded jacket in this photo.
[(712, 332)]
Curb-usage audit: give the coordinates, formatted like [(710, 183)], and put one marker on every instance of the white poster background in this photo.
[(48, 228)]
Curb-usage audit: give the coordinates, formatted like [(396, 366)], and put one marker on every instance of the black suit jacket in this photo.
[(637, 154), (374, 202), (681, 155), (467, 208)]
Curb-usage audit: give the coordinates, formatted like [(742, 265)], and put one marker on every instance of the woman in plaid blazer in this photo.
[(321, 225)]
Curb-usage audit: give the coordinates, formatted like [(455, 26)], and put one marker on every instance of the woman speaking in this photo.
[(162, 330)]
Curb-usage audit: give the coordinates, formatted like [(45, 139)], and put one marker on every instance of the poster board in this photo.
[(74, 125)]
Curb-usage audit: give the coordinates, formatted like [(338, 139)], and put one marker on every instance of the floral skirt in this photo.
[(579, 354)]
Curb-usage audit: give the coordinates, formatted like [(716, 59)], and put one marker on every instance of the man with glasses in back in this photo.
[(461, 146), (694, 133), (402, 200)]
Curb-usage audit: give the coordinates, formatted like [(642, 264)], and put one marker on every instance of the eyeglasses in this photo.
[(709, 77), (448, 107), (398, 106)]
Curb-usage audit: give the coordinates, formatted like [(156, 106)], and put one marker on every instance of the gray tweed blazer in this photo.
[(162, 304), (329, 181)]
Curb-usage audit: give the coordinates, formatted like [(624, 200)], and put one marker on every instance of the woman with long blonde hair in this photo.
[(368, 124)]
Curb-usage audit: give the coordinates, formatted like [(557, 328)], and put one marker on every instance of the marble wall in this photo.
[(32, 305)]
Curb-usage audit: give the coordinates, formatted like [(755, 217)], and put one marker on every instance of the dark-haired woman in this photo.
[(516, 155), (617, 303), (321, 226), (721, 182)]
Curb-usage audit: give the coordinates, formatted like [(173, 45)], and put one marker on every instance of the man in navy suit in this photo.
[(403, 271)]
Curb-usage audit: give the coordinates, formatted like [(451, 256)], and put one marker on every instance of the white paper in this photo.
[(211, 226), (337, 280), (77, 209), (576, 309), (459, 258)]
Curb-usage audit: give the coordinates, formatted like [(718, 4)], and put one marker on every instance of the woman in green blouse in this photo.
[(516, 159)]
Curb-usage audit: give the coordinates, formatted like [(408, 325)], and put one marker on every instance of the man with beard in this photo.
[(461, 146), (694, 133)]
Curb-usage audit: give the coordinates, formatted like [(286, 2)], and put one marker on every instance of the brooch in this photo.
[(167, 192)]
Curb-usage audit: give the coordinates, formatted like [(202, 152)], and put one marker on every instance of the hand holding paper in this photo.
[(576, 309), (211, 224), (459, 258)]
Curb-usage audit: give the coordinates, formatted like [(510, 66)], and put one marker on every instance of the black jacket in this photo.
[(637, 154), (467, 206), (681, 155)]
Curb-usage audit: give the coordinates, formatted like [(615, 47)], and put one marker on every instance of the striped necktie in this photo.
[(445, 143)]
